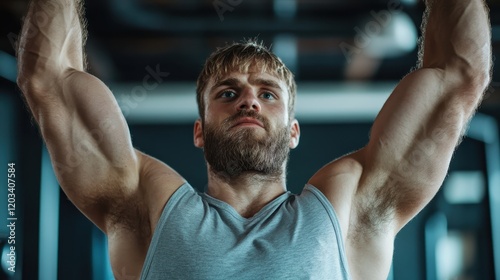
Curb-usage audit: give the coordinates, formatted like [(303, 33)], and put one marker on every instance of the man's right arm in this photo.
[(82, 125)]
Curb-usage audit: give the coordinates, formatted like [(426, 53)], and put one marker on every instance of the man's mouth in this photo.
[(247, 121)]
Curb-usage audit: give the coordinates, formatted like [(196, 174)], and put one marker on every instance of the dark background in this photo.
[(53, 240)]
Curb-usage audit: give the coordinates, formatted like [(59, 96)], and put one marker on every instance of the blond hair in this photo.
[(241, 57)]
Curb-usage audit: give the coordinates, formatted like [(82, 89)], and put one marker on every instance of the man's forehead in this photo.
[(253, 77)]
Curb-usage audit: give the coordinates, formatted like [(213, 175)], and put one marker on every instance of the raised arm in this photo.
[(379, 188), (415, 134), (82, 125)]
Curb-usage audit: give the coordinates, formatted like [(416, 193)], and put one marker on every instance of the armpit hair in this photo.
[(373, 214), (130, 214), (376, 213)]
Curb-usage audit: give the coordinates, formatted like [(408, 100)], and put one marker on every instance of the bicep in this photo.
[(88, 140), (413, 139)]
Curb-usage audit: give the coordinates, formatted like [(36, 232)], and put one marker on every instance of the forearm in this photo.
[(51, 41), (457, 38)]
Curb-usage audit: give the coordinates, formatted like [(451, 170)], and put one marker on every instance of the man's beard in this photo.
[(232, 153)]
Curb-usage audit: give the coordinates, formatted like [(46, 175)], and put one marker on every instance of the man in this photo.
[(247, 226)]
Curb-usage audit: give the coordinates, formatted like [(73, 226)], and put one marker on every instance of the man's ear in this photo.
[(294, 134), (198, 134)]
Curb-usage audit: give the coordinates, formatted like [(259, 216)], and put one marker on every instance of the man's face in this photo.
[(247, 127)]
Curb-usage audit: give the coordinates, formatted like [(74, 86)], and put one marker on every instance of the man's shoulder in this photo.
[(340, 177), (140, 206)]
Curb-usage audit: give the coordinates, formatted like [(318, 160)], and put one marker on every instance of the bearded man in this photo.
[(246, 225)]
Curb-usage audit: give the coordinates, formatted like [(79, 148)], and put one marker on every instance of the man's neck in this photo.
[(247, 193)]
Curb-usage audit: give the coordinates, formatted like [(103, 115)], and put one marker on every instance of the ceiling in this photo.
[(320, 40)]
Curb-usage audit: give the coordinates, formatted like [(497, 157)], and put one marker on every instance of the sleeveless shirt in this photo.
[(292, 237)]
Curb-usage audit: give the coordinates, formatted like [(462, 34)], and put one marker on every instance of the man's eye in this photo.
[(228, 94), (268, 95)]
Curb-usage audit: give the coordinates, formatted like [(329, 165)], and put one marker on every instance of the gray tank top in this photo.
[(292, 237)]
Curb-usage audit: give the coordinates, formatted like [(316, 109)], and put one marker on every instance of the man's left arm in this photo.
[(416, 132), (379, 188), (376, 190)]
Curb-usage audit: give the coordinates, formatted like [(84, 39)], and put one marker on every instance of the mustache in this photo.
[(247, 114)]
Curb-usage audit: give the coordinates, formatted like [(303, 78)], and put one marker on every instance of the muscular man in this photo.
[(247, 226)]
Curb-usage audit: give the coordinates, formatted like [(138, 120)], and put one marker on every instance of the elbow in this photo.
[(476, 73), (36, 80), (24, 82), (29, 85), (37, 74), (470, 79), (23, 75), (32, 87), (472, 87), (29, 78), (470, 73), (474, 83), (484, 77)]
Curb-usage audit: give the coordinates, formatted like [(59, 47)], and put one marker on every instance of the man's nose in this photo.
[(249, 101)]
